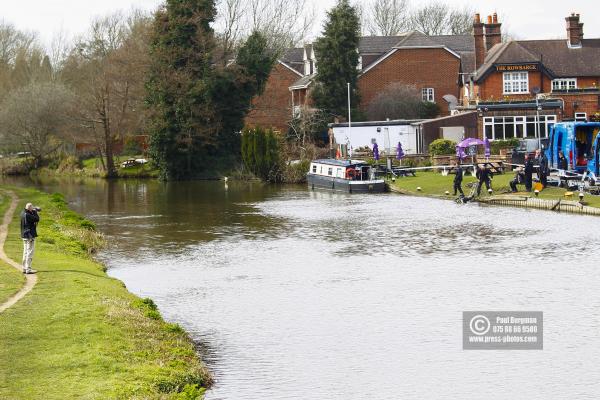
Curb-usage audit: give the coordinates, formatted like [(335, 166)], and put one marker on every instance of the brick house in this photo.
[(435, 65), (563, 73)]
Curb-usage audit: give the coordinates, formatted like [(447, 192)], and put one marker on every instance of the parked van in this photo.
[(578, 142)]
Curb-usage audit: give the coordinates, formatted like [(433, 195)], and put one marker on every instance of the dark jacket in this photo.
[(29, 220), (528, 167), (459, 176), (483, 174), (562, 163), (543, 164)]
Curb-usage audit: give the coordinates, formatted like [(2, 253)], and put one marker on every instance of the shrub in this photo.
[(69, 164), (261, 153), (496, 145), (442, 147)]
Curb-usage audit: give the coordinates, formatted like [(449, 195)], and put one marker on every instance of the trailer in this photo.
[(577, 142)]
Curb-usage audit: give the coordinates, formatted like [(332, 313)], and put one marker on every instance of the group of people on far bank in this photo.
[(523, 175)]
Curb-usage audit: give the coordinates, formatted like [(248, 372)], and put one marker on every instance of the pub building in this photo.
[(518, 81)]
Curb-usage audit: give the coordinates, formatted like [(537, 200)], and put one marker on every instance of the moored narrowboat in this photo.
[(350, 176)]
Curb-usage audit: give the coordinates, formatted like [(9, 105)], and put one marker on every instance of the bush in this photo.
[(496, 145), (442, 147), (261, 153), (69, 164), (428, 110)]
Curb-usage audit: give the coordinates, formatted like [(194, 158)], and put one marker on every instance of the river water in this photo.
[(312, 295)]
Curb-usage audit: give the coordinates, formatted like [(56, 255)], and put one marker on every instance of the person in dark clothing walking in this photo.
[(458, 178), (543, 170), (519, 179), (528, 173), (29, 221), (562, 161), (485, 176)]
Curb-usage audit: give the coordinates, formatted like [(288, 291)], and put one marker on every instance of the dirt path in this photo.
[(30, 279)]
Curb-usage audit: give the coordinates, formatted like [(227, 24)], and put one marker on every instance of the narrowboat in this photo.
[(350, 176)]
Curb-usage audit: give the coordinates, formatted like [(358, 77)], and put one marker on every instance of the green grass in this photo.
[(11, 279), (435, 184), (80, 334)]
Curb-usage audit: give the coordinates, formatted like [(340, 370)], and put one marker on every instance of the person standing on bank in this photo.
[(528, 173), (562, 161), (485, 176), (458, 178), (29, 221), (542, 162)]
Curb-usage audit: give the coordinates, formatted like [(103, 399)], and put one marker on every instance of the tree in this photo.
[(438, 18), (337, 52), (284, 24), (233, 88), (179, 91), (400, 101), (36, 117), (106, 69), (389, 17)]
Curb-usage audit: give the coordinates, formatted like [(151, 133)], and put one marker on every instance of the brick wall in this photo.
[(581, 102), (424, 68), (273, 109)]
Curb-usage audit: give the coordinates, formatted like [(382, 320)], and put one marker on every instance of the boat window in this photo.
[(321, 170), (330, 171), (314, 169)]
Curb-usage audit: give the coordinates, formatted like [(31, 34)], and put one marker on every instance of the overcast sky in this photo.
[(525, 19)]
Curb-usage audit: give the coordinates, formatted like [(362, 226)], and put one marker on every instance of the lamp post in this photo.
[(349, 118), (536, 91)]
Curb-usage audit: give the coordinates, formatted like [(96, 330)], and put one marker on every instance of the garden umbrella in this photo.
[(375, 152), (399, 152)]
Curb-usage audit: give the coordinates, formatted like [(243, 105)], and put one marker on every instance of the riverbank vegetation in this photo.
[(11, 280), (80, 333)]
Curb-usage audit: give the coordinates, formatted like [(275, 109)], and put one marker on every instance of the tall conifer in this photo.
[(337, 60)]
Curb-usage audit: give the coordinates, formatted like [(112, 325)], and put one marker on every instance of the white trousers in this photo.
[(28, 248)]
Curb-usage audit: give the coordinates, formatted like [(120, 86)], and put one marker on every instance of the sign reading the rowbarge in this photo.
[(517, 67)]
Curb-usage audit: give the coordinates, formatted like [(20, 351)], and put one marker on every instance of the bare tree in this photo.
[(460, 21), (307, 123), (396, 101), (389, 17), (35, 117), (284, 23), (431, 18), (107, 70)]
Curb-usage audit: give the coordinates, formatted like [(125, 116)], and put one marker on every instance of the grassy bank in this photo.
[(80, 334), (435, 185), (11, 280)]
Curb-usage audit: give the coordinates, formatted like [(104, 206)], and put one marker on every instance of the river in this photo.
[(295, 294)]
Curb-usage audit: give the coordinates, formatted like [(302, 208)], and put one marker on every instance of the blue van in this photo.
[(579, 143)]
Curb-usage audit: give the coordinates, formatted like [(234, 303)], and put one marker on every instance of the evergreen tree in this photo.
[(182, 128), (337, 57), (234, 88)]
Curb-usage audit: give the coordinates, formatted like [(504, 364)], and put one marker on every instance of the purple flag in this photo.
[(488, 151), (375, 152), (399, 152)]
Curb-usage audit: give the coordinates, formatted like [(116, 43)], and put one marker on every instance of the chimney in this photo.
[(574, 31), (493, 34), (479, 41)]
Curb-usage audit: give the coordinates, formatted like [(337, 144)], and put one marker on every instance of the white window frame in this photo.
[(428, 94), (564, 84), (545, 120), (515, 82)]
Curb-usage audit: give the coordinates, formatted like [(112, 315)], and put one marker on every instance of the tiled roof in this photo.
[(458, 43), (555, 55), (303, 82), (563, 61), (377, 44), (294, 58)]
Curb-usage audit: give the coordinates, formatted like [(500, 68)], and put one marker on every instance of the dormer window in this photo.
[(307, 67)]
